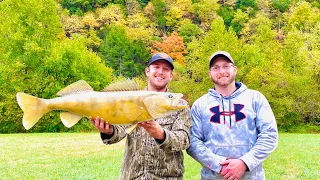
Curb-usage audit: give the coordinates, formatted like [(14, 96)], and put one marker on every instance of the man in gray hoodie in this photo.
[(234, 129)]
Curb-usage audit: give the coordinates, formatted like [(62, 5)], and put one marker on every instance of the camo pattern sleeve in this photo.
[(145, 158), (119, 133), (177, 130)]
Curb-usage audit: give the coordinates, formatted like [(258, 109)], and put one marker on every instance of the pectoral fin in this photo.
[(69, 119), (131, 111), (131, 128)]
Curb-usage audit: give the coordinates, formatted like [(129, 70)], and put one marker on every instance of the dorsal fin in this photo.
[(124, 85), (76, 87)]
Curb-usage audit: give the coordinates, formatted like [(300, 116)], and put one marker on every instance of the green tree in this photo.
[(159, 12), (247, 5), (80, 7), (188, 31), (301, 16), (227, 13), (26, 38), (239, 20), (127, 57), (205, 11), (281, 5), (218, 38), (301, 62)]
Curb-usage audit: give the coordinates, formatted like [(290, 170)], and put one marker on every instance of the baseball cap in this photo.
[(161, 56), (220, 54)]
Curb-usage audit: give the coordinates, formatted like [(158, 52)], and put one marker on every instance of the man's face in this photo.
[(159, 74), (222, 72)]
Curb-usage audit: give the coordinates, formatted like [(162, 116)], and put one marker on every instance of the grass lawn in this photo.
[(84, 156)]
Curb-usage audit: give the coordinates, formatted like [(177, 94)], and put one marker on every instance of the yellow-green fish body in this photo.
[(116, 107)]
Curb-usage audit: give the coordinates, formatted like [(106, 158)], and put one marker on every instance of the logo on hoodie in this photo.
[(237, 112)]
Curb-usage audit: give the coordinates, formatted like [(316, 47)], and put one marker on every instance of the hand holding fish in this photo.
[(101, 125), (154, 129)]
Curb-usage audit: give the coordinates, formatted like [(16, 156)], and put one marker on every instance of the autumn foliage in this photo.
[(172, 45)]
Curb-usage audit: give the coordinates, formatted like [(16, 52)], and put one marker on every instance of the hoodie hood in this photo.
[(240, 88), (226, 102)]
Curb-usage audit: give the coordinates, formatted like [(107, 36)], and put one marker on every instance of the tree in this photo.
[(205, 10), (111, 15), (127, 57), (80, 7), (159, 13), (139, 27), (227, 13), (281, 5), (72, 25), (199, 51), (176, 14), (173, 46), (302, 16), (239, 20), (188, 31), (36, 58), (133, 7), (249, 6)]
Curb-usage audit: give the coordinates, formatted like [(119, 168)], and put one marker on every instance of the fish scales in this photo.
[(108, 105)]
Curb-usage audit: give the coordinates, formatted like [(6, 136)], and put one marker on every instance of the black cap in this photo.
[(220, 54), (161, 56)]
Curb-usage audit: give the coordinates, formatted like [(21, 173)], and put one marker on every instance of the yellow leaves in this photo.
[(72, 24), (173, 16), (142, 34), (90, 21), (111, 15), (149, 11), (206, 11), (140, 28), (301, 16)]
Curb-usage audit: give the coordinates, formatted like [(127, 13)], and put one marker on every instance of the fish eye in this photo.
[(170, 96)]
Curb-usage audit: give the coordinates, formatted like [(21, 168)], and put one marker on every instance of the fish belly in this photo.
[(114, 108)]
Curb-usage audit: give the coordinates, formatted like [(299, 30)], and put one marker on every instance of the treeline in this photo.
[(47, 45)]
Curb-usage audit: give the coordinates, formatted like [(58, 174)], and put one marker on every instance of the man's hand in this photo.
[(233, 169), (154, 129), (101, 125)]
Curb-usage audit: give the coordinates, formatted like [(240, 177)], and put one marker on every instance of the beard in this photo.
[(223, 83)]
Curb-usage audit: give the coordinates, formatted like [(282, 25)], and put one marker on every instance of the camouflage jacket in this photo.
[(147, 159)]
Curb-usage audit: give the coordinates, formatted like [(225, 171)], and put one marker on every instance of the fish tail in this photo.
[(34, 108)]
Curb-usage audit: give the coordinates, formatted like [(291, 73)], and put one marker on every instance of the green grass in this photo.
[(84, 156)]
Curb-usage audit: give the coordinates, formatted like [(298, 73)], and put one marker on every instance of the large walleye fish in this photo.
[(121, 103)]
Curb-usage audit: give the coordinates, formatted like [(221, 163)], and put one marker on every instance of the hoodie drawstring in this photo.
[(230, 110), (224, 117)]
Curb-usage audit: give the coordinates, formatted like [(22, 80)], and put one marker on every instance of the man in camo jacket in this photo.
[(154, 149)]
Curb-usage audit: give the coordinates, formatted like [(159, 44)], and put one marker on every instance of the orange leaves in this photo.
[(172, 45)]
